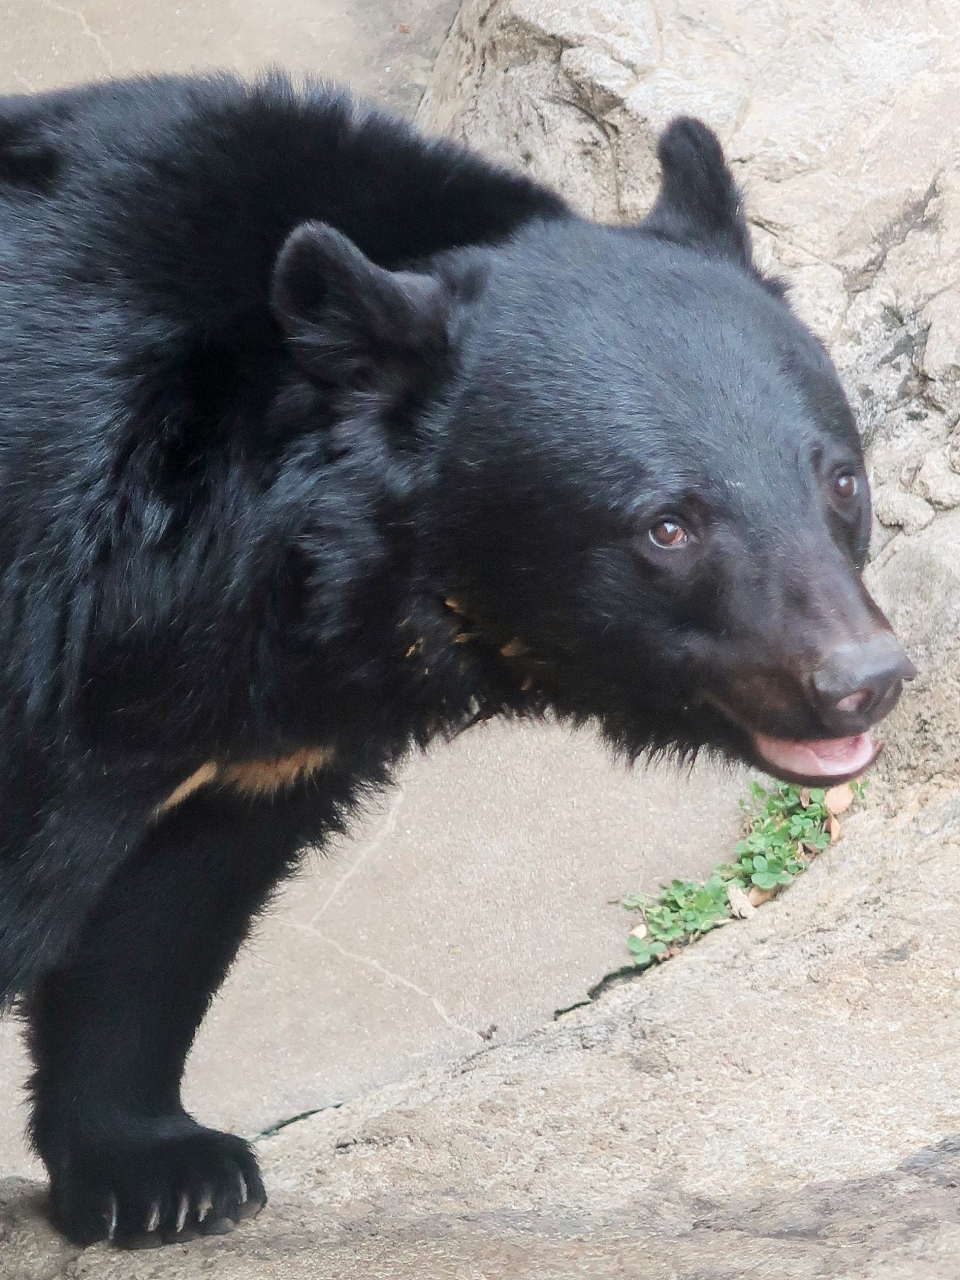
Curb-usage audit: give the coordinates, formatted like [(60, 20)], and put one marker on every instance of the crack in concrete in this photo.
[(615, 978), (276, 1127), (775, 230), (608, 131), (397, 978), (657, 9), (89, 31), (373, 845), (915, 216)]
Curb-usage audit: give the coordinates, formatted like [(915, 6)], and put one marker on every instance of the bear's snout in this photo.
[(859, 681)]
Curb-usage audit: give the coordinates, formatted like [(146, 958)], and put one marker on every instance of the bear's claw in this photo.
[(157, 1189)]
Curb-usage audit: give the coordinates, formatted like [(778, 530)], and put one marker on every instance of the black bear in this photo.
[(319, 439)]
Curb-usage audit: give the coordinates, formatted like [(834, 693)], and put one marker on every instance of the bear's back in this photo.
[(139, 225)]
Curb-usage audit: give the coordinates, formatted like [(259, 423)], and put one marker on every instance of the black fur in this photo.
[(316, 435)]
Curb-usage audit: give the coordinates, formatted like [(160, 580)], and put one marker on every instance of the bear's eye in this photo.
[(846, 486), (669, 535)]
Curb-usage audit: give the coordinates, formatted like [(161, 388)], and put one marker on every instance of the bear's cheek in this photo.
[(749, 693)]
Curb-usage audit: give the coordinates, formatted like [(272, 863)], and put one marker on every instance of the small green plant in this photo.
[(786, 827), (683, 911)]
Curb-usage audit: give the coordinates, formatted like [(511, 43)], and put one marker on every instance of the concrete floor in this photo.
[(384, 48), (483, 892)]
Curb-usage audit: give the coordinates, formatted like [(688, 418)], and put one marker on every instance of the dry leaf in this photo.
[(757, 896), (834, 828), (639, 932), (740, 904), (804, 797), (839, 799)]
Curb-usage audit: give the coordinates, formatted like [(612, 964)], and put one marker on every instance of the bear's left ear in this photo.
[(699, 202), (352, 324)]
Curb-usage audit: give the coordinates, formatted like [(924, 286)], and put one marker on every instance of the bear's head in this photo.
[(650, 505)]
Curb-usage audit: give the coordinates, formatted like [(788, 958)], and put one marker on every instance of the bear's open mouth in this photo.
[(827, 759)]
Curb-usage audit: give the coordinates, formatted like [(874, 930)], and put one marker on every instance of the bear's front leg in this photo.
[(61, 841), (110, 1030)]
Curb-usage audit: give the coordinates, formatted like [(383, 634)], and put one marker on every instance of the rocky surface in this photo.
[(784, 1098)]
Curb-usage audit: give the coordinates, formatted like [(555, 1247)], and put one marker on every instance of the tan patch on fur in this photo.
[(252, 777), (515, 648), (264, 777), (203, 776)]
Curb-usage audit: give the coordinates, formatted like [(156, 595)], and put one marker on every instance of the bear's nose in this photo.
[(859, 682)]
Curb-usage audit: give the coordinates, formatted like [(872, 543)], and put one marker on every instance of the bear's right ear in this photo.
[(699, 202), (352, 324)]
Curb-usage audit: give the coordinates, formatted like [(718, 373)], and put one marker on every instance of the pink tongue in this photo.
[(828, 758)]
